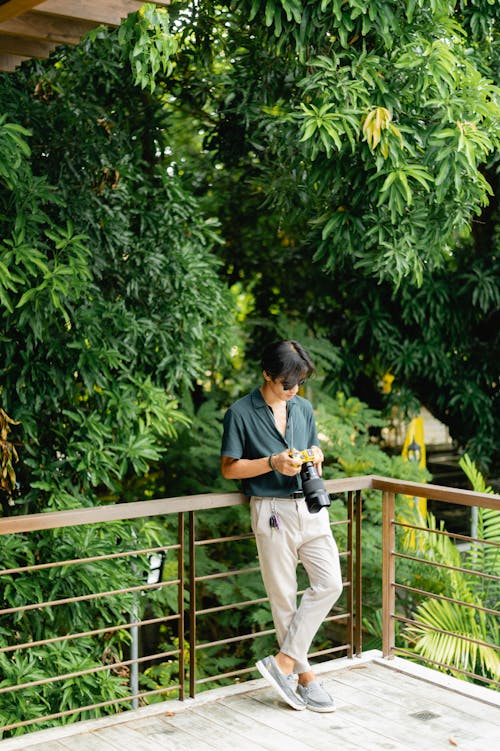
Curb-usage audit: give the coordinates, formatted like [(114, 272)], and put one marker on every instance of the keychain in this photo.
[(274, 521)]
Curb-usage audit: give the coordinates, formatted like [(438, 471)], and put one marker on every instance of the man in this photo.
[(260, 430)]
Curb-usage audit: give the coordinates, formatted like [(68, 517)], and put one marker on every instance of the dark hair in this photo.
[(288, 359)]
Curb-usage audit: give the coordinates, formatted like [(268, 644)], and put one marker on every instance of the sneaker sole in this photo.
[(269, 678), (320, 709)]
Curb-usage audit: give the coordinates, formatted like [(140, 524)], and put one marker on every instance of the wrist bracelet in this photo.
[(270, 461)]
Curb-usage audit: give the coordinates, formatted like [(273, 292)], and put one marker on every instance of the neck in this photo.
[(270, 398)]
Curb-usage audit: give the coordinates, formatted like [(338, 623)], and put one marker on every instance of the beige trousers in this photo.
[(305, 537)]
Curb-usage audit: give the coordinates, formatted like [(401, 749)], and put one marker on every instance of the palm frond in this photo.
[(444, 632)]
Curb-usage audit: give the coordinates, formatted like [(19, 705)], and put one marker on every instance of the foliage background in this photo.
[(178, 191), (360, 176)]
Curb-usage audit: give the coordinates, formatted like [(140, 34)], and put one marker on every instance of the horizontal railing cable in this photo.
[(90, 707), (88, 671), (233, 639), (445, 533), (436, 596), (226, 574), (448, 567), (444, 632), (93, 559), (94, 632), (89, 597)]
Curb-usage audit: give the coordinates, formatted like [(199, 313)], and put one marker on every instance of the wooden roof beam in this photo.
[(111, 12), (9, 63), (54, 22), (25, 47), (46, 28), (12, 8)]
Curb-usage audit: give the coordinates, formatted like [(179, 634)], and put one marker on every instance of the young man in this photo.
[(260, 430)]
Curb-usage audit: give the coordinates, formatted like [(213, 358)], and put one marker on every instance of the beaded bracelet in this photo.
[(270, 460)]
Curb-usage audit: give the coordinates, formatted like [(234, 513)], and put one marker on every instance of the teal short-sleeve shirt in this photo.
[(250, 432)]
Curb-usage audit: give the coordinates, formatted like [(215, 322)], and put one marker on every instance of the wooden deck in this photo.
[(381, 704)]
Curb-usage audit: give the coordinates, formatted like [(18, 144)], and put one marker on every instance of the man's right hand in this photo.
[(286, 464)]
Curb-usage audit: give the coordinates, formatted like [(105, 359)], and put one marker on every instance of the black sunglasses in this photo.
[(287, 385)]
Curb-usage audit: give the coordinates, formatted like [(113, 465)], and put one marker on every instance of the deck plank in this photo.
[(124, 736), (205, 730), (168, 737), (411, 692), (418, 711), (239, 726), (311, 730), (381, 706), (49, 746), (420, 689), (84, 742)]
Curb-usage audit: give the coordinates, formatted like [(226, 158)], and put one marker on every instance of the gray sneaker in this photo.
[(284, 684), (316, 697)]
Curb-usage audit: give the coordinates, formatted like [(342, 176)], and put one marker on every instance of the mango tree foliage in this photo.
[(110, 308), (352, 150), (110, 300), (370, 121)]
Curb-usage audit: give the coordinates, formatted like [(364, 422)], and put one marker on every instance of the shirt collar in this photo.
[(259, 402)]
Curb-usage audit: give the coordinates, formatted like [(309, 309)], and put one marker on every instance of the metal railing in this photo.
[(190, 581), (391, 586)]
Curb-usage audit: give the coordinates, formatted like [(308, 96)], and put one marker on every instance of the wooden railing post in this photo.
[(181, 600), (358, 645), (388, 572), (192, 606), (350, 575)]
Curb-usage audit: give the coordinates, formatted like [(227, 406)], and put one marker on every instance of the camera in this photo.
[(316, 495)]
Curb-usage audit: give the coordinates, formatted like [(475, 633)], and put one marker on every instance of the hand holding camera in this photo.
[(286, 463)]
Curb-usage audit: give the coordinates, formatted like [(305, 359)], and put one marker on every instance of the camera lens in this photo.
[(314, 489)]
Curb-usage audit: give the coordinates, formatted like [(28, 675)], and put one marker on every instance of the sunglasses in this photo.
[(288, 385)]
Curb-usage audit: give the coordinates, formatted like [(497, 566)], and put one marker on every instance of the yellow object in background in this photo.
[(386, 382), (414, 451)]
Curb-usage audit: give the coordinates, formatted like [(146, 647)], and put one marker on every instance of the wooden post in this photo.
[(358, 643), (388, 572), (180, 601), (350, 575), (192, 606)]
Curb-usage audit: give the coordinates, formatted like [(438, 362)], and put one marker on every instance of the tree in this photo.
[(351, 150), (111, 305), (375, 146), (339, 169)]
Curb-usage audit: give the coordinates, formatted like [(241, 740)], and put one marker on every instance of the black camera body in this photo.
[(316, 495)]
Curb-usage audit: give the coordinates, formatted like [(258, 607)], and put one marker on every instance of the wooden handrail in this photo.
[(141, 509), (436, 492)]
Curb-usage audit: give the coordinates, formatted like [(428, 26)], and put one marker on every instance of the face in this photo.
[(289, 384), (284, 387)]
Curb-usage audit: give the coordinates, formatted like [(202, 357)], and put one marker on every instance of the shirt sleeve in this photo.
[(233, 437)]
